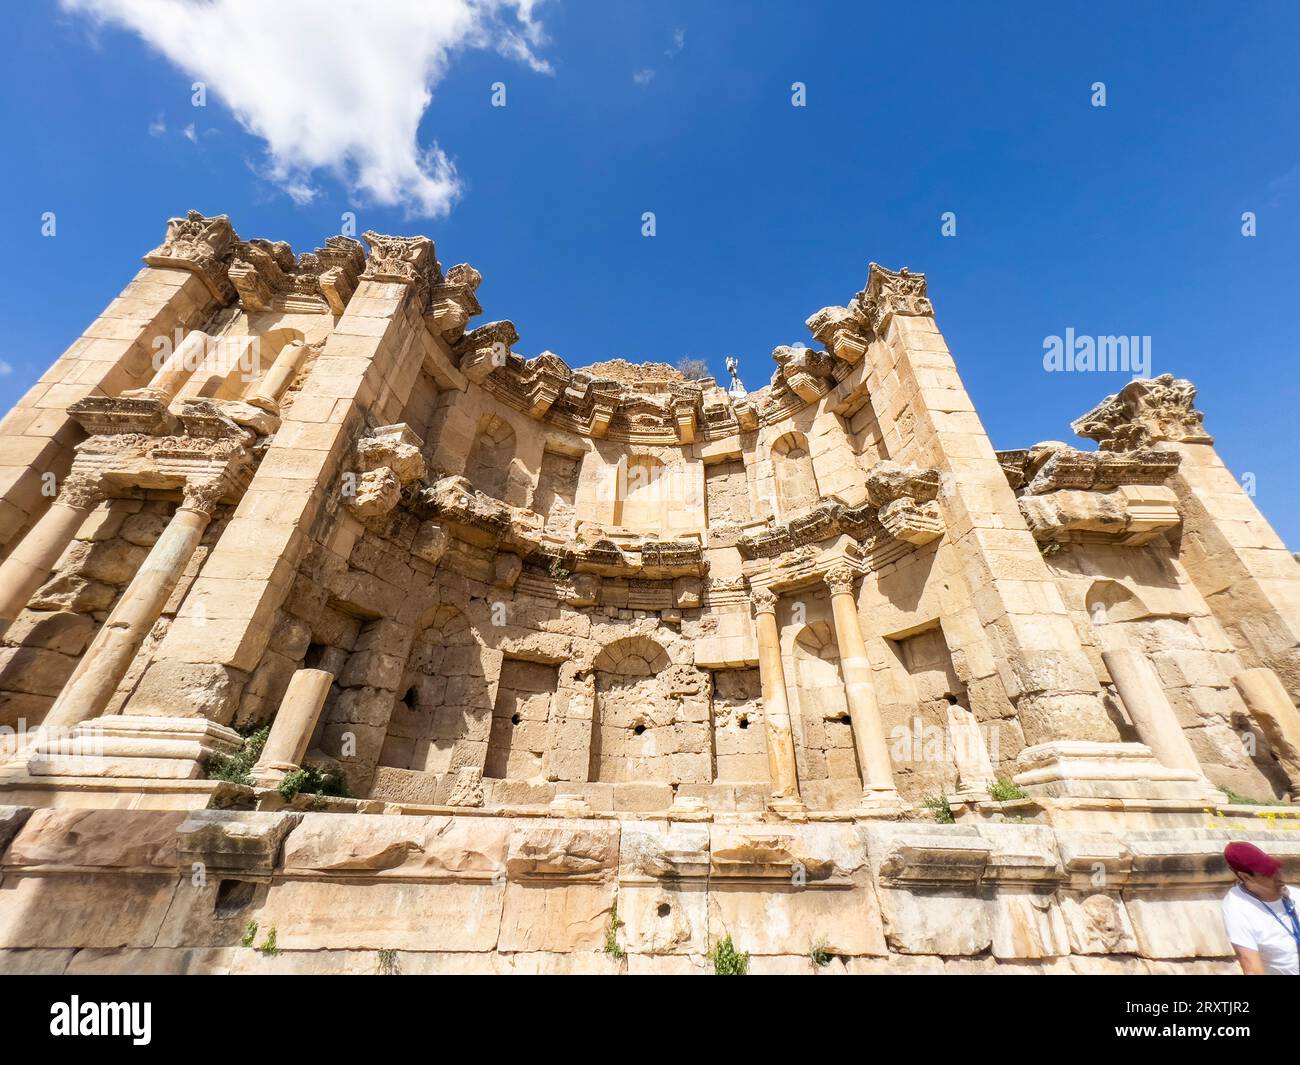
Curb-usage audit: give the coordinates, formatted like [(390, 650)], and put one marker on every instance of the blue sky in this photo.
[(1117, 220)]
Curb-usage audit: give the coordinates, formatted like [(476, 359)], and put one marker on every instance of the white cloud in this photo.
[(6, 368), (190, 134), (644, 77), (338, 86), (679, 42), (158, 127)]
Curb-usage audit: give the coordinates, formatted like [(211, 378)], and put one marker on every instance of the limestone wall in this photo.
[(99, 891)]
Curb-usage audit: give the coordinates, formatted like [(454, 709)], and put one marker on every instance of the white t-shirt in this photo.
[(1262, 926)]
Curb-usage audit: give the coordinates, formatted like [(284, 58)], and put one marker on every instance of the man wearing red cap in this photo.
[(1259, 915)]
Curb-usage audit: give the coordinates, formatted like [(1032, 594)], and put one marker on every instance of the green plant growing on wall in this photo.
[(612, 947), (1242, 800), (250, 934), (269, 947), (819, 953), (235, 768), (728, 961), (388, 964), (942, 810), (1004, 790), (311, 780)]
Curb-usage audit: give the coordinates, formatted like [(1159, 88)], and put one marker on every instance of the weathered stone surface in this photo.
[(236, 841)]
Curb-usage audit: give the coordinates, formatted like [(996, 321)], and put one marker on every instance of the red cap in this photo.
[(1247, 858)]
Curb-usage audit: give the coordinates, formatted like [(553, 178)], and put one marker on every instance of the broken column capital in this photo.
[(888, 294), (409, 261), (1143, 413), (203, 246)]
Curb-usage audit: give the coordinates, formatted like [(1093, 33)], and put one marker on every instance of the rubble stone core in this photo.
[(612, 663)]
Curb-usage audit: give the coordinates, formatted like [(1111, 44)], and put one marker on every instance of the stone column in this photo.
[(868, 728), (176, 369), (267, 392), (32, 560), (294, 724), (776, 705), (1157, 725), (106, 660), (1269, 704)]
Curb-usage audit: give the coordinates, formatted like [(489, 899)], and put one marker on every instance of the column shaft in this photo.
[(32, 560), (294, 723), (776, 705), (1139, 686), (868, 728), (109, 655)]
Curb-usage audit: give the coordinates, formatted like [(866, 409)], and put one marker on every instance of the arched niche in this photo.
[(793, 474)]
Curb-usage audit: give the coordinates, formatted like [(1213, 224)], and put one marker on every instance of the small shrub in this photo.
[(268, 946), (819, 954), (942, 810), (250, 934), (388, 964), (612, 947), (559, 570), (728, 961), (1005, 790), (693, 369), (311, 780), (235, 768)]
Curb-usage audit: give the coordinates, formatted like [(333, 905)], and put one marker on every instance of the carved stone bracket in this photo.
[(453, 302), (266, 274), (840, 331), (486, 349)]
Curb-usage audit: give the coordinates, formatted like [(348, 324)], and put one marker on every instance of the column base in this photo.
[(1078, 769), (787, 808), (122, 747)]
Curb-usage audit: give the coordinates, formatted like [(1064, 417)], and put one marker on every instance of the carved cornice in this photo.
[(889, 293), (453, 302), (1145, 412), (408, 261), (267, 275), (840, 330), (203, 246)]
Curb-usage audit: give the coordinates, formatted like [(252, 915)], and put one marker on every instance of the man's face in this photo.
[(1268, 888)]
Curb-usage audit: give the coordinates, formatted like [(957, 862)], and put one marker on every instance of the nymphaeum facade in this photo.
[(615, 634)]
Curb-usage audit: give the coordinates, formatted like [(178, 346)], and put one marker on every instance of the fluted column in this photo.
[(776, 704), (109, 655), (32, 560), (1144, 697), (294, 723), (864, 711)]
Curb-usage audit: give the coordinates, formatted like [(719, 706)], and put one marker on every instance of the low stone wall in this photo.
[(232, 892)]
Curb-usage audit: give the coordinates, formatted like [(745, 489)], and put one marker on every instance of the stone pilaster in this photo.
[(868, 728), (368, 365), (1238, 563), (776, 705), (928, 419), (114, 354)]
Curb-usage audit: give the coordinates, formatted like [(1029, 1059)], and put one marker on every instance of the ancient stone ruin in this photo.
[(339, 635)]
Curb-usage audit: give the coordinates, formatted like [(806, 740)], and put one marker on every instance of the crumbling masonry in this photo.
[(578, 639)]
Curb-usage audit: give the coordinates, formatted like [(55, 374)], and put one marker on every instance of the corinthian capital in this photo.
[(202, 496), (889, 293), (839, 579), (1145, 412), (203, 246), (764, 600), (407, 260), (82, 491)]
